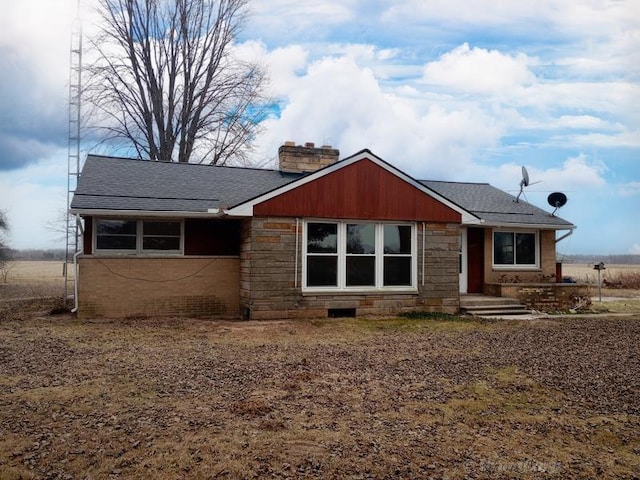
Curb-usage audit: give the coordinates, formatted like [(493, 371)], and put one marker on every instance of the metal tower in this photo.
[(73, 160)]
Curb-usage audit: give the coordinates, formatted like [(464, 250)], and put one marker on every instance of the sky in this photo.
[(454, 90)]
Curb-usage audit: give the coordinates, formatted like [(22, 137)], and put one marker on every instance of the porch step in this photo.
[(484, 306)]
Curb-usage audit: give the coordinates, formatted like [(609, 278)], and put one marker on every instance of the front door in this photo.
[(475, 260)]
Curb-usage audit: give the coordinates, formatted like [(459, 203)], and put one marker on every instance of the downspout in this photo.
[(559, 264), (295, 270), (75, 264), (423, 249), (568, 234)]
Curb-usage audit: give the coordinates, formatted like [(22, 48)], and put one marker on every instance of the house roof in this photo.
[(122, 184), (493, 206)]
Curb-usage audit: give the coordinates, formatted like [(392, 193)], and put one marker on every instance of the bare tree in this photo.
[(167, 81), (4, 228), (5, 255)]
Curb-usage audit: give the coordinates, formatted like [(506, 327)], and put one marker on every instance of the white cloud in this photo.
[(624, 139), (284, 66), (306, 18), (583, 122), (593, 18), (26, 31), (33, 197), (630, 189), (479, 70), (340, 102), (635, 249), (576, 173)]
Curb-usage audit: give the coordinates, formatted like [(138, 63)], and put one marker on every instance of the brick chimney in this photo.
[(306, 158)]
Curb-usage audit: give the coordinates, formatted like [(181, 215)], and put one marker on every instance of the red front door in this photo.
[(475, 260)]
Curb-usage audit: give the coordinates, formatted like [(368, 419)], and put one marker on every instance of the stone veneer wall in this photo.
[(546, 272), (306, 158), (271, 283), (130, 286)]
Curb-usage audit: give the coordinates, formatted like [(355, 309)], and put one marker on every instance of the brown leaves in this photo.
[(181, 398)]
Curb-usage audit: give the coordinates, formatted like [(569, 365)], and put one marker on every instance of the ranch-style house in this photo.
[(318, 237)]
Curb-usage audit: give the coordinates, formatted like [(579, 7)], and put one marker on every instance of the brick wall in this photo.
[(544, 297), (271, 282), (546, 272), (120, 287)]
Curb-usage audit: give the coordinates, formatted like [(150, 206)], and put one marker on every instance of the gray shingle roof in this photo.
[(109, 183), (493, 205)]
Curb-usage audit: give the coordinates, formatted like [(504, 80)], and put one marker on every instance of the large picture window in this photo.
[(138, 236), (515, 249), (359, 256)]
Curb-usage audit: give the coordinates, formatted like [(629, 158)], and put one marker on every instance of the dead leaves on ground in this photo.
[(174, 398)]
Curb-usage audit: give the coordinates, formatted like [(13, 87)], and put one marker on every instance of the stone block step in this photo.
[(484, 306), (491, 313), (506, 306), (478, 300)]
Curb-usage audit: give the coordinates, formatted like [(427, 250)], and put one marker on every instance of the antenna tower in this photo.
[(73, 158)]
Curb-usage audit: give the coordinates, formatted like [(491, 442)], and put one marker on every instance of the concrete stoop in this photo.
[(485, 306)]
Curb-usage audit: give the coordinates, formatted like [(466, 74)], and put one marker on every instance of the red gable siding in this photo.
[(362, 190)]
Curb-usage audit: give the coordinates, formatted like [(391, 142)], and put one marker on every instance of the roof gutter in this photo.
[(210, 213), (568, 234), (539, 226)]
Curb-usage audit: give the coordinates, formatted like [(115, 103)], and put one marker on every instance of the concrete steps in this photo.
[(485, 306)]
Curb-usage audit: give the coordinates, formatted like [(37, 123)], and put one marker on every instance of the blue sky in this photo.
[(443, 89)]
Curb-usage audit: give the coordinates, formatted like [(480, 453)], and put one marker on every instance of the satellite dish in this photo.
[(525, 178), (557, 200), (524, 183)]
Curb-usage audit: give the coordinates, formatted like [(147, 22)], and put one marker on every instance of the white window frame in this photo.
[(515, 266), (139, 250), (379, 255)]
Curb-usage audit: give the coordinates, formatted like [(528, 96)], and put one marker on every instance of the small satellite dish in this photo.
[(557, 200), (524, 183), (525, 177)]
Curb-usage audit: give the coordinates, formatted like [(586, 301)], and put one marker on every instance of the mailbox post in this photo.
[(599, 267)]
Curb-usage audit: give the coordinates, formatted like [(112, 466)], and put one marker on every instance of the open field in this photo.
[(31, 279), (586, 273)]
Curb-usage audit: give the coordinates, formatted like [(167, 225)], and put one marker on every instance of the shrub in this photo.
[(627, 280)]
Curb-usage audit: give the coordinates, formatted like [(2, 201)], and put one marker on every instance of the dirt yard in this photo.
[(342, 398), (395, 398)]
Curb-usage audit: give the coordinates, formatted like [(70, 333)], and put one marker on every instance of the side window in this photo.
[(161, 235), (116, 235), (515, 249), (138, 236)]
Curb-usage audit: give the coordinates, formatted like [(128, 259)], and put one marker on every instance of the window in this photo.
[(397, 255), (359, 256), (138, 236), (322, 251), (515, 249), (116, 235), (162, 236)]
